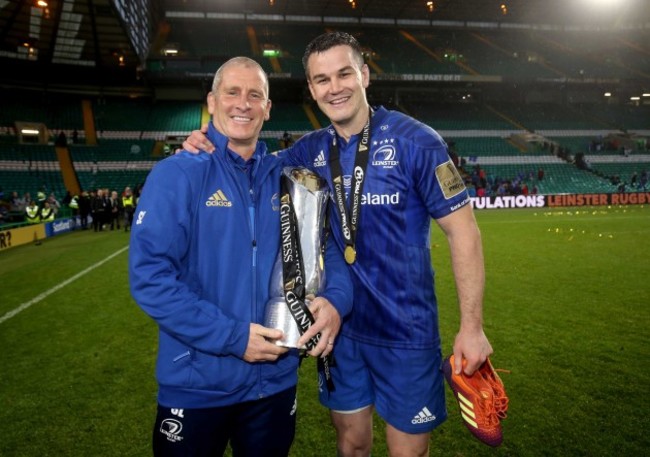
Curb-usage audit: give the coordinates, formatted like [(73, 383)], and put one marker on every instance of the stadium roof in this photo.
[(112, 38), (77, 32), (535, 11)]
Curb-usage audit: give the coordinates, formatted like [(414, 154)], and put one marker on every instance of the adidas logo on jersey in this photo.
[(218, 199), (320, 161), (423, 417)]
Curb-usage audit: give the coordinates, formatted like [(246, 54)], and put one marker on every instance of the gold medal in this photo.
[(350, 255)]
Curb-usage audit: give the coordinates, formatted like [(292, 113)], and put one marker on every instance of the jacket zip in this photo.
[(248, 195)]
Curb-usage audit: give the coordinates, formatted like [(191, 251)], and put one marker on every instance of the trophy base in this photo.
[(278, 316)]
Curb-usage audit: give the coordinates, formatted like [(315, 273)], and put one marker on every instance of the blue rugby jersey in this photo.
[(409, 179)]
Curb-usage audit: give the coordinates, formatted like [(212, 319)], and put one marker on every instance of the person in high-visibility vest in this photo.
[(32, 213), (128, 204), (74, 205), (41, 197), (47, 212)]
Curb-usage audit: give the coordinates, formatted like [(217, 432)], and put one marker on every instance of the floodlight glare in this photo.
[(604, 3), (29, 131)]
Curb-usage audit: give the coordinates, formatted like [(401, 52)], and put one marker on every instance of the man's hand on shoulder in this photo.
[(197, 141)]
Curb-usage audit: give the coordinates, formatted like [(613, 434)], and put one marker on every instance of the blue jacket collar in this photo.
[(220, 142)]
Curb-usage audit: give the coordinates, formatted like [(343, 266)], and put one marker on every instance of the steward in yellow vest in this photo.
[(47, 213), (32, 213), (128, 203), (74, 204)]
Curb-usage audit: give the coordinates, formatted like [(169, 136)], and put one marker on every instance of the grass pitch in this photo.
[(566, 310)]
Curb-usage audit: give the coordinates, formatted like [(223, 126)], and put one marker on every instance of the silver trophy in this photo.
[(309, 195)]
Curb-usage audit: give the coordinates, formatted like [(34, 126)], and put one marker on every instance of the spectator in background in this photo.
[(116, 210), (61, 140), (643, 179), (633, 179), (479, 176), (54, 203), (41, 197), (128, 205), (137, 190), (286, 140), (100, 210), (66, 199), (540, 174), (84, 209), (32, 213), (48, 213), (73, 204), (17, 203), (452, 153)]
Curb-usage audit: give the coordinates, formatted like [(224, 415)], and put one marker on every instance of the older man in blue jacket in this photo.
[(204, 240)]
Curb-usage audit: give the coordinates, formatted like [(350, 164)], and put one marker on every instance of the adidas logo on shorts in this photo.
[(423, 417)]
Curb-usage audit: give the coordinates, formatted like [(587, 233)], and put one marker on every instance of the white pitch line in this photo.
[(40, 297)]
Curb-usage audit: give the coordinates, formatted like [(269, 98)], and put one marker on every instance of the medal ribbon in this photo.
[(350, 218)]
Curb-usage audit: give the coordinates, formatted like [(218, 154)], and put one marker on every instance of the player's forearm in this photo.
[(469, 273)]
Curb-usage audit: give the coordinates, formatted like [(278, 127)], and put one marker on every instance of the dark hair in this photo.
[(329, 40)]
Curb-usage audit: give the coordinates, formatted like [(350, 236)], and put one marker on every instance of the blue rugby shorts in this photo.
[(406, 386)]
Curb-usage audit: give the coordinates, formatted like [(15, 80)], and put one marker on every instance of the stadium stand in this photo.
[(480, 134), (487, 88)]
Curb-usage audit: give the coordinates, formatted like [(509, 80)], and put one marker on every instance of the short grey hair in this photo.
[(244, 62)]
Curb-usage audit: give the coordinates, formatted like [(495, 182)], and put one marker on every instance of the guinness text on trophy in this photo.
[(298, 273)]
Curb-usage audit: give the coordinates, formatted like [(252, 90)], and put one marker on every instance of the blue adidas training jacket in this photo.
[(203, 245)]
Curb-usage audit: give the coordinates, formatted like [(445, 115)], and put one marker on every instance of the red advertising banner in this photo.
[(553, 201)]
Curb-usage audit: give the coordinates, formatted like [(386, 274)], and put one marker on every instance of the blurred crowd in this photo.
[(481, 184), (99, 209)]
